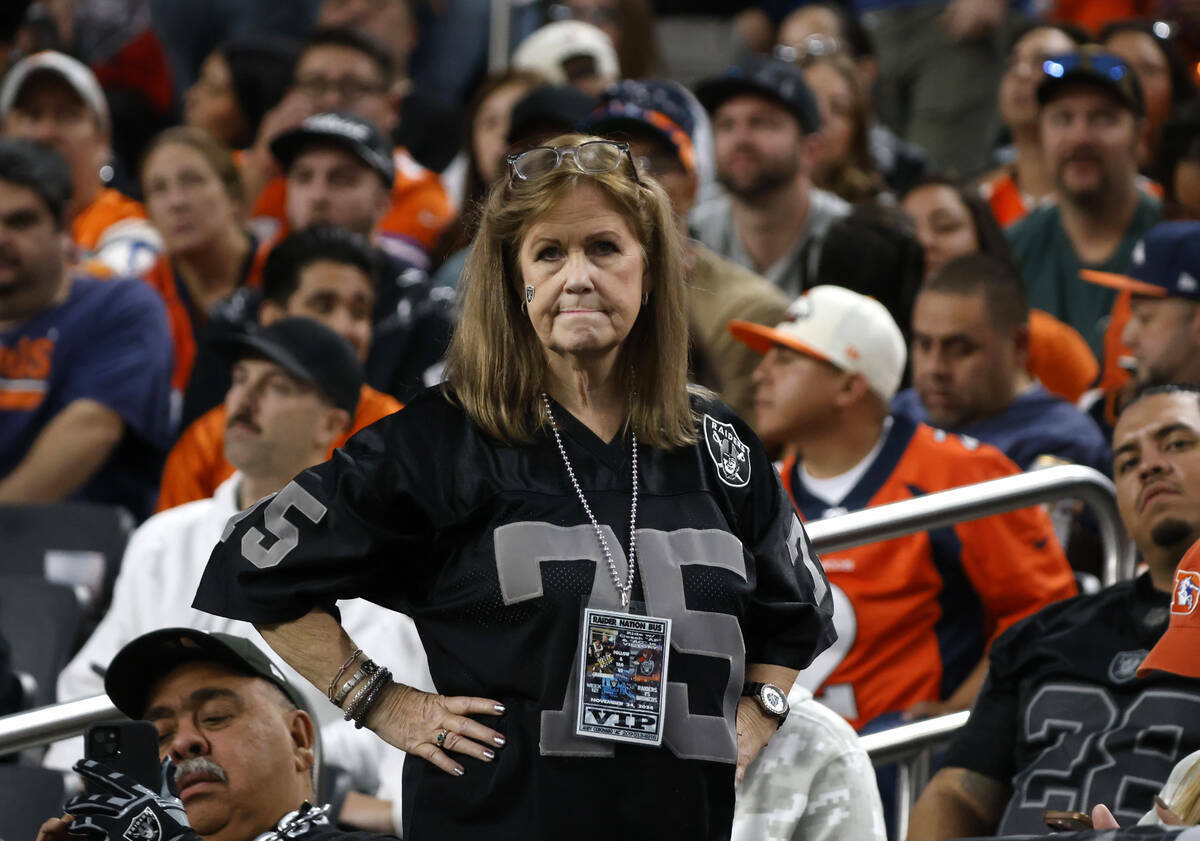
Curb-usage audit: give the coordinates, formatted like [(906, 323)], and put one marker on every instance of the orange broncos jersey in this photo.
[(915, 614), (179, 311), (197, 463), (420, 210), (114, 237)]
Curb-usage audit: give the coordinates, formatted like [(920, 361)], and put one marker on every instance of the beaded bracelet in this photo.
[(354, 708), (368, 667), (373, 691), (341, 671)]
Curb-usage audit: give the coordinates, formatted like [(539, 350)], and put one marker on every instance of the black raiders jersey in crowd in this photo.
[(1064, 719), (488, 548)]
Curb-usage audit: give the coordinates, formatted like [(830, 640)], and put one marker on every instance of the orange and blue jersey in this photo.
[(915, 614), (113, 237)]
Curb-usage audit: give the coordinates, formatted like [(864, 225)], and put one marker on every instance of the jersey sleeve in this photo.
[(1013, 560), (356, 526), (125, 362), (790, 618)]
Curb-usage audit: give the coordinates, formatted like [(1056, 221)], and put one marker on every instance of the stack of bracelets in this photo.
[(375, 677)]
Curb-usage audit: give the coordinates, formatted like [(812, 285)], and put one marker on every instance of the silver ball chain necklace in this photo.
[(627, 588)]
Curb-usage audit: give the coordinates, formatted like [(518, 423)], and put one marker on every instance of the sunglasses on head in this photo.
[(594, 157), (1104, 64)]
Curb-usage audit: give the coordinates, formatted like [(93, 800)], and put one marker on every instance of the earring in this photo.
[(645, 298), (529, 294)]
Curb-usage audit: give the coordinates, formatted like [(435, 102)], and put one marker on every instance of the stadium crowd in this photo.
[(926, 243)]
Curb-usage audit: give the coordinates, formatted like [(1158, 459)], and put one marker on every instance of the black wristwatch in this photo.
[(771, 699)]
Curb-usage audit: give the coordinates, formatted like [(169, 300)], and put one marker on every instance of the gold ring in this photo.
[(441, 737)]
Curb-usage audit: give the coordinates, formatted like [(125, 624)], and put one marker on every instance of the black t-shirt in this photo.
[(1063, 718), (488, 548)]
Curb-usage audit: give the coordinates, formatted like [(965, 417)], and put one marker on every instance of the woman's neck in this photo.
[(589, 390), (212, 272)]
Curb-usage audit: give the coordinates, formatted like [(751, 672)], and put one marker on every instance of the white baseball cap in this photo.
[(854, 332), (72, 71), (545, 50)]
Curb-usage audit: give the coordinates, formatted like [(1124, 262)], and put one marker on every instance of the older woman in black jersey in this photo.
[(542, 516)]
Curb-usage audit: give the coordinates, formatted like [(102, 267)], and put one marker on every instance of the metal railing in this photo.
[(910, 745)]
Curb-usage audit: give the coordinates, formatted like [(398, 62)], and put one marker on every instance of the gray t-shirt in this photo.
[(712, 224)]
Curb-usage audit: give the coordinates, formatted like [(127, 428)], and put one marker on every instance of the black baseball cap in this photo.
[(778, 81), (306, 349), (357, 136), (149, 658), (1092, 65), (548, 110)]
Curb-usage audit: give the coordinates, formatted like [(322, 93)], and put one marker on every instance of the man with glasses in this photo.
[(765, 124), (344, 70), (656, 119), (1089, 122)]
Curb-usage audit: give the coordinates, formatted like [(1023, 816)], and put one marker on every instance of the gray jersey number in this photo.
[(522, 547), (277, 525)]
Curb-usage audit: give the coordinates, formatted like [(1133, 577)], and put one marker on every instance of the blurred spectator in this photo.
[(629, 25), (544, 112), (951, 223), (939, 64), (842, 162), (1177, 164), (812, 782), (570, 53), (338, 172), (191, 30), (824, 385), (765, 124), (426, 126), (824, 29), (241, 736), (1062, 685), (239, 83), (1148, 48), (970, 344), (85, 364), (488, 119), (655, 119), (344, 70), (1026, 180), (195, 200), (1163, 331), (12, 694), (321, 273), (55, 99), (296, 385), (1090, 120)]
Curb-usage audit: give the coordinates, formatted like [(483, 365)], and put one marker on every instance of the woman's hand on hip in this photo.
[(413, 721), (754, 729)]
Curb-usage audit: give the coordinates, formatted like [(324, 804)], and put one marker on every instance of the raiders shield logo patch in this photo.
[(730, 455), (145, 827), (1124, 666)]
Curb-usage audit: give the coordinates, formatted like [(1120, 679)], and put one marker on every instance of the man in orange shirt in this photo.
[(343, 70), (321, 273), (55, 99), (915, 615)]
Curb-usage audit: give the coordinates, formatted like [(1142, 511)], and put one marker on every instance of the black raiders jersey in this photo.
[(1064, 719), (488, 548)]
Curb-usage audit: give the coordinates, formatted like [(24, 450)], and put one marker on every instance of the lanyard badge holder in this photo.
[(623, 658)]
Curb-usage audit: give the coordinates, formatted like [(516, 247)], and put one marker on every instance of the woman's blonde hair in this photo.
[(496, 365), (1187, 802)]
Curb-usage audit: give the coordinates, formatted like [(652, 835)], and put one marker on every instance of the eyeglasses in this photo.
[(1104, 64), (593, 157), (348, 88), (814, 46)]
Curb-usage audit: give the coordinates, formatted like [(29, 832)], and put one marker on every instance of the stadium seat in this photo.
[(42, 623), (28, 797), (73, 543)]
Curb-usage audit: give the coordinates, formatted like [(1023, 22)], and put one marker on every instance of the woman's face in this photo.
[(210, 103), (490, 128), (944, 225), (185, 199), (1018, 85), (835, 99), (586, 268)]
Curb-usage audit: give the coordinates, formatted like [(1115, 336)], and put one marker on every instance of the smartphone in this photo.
[(1066, 821), (130, 747)]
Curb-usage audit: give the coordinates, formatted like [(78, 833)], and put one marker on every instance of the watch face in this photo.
[(773, 699)]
